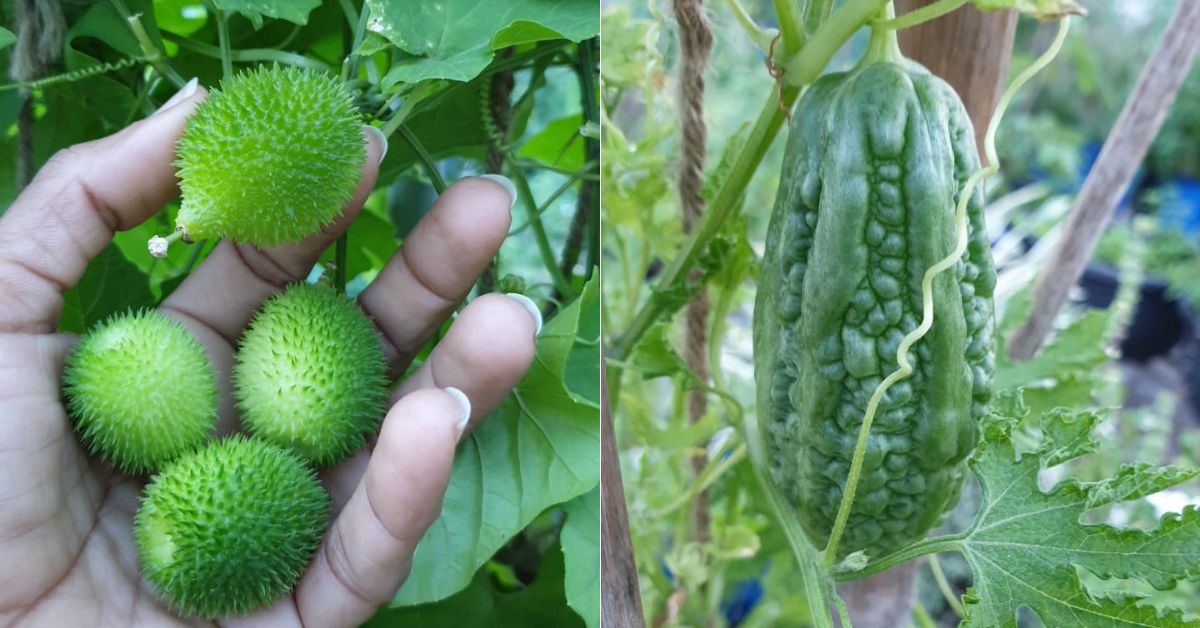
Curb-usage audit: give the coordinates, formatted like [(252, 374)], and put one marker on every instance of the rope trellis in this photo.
[(695, 38)]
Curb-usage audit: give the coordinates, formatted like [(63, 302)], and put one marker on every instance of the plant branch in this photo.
[(921, 15), (223, 40), (805, 66), (760, 36), (423, 156), (791, 25), (935, 566), (724, 204), (248, 55), (950, 543), (805, 554), (539, 231)]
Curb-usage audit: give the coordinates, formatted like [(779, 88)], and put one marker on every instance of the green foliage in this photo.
[(230, 528), (270, 157), (310, 374), (536, 450), (291, 10), (456, 39), (581, 555), (141, 390), (1025, 543), (110, 284), (486, 603)]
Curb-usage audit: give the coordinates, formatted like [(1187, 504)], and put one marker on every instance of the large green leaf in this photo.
[(110, 284), (540, 448), (456, 39), (1025, 544), (484, 605), (7, 38), (295, 11), (581, 549)]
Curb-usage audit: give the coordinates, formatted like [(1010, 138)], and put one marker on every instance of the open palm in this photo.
[(66, 551)]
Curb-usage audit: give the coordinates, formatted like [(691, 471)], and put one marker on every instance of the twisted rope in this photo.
[(695, 38)]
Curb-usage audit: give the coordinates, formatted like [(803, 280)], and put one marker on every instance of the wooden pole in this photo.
[(620, 597), (1123, 151), (969, 49)]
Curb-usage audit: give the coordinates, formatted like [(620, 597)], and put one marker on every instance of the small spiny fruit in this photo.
[(230, 528), (270, 157), (310, 374), (141, 390)]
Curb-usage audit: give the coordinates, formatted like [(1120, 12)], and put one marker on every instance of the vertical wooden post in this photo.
[(620, 597), (969, 49)]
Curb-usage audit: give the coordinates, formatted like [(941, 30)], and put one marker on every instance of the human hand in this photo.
[(66, 520)]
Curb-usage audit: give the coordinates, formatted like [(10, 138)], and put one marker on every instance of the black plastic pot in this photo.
[(1159, 322)]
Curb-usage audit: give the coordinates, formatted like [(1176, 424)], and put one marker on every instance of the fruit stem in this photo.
[(158, 245)]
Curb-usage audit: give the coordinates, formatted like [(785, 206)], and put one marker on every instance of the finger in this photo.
[(69, 213), (221, 296), (439, 262), (368, 550), (486, 352)]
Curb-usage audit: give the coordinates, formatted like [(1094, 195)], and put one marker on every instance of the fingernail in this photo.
[(465, 404), (506, 183), (185, 92), (383, 143), (531, 307)]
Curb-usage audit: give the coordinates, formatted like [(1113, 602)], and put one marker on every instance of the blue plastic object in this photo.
[(741, 600)]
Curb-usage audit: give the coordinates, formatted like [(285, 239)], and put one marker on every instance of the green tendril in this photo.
[(77, 75)]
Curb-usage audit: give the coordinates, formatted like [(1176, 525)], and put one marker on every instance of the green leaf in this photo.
[(1026, 544), (582, 375), (110, 284), (7, 38), (581, 550), (484, 605), (295, 11), (456, 39), (559, 145), (538, 449), (654, 356)]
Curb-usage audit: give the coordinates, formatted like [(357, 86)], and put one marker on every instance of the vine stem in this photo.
[(921, 15), (943, 584), (935, 545), (805, 67), (539, 231), (960, 223), (248, 54), (815, 579), (223, 40), (423, 156)]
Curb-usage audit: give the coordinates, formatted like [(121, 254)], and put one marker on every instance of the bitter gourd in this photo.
[(875, 162)]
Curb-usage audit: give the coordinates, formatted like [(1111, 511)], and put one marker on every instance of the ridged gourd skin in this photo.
[(875, 162), (310, 374), (141, 391), (270, 157), (231, 528)]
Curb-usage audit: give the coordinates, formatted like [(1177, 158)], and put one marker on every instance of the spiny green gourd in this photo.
[(230, 528), (141, 391), (270, 157), (310, 374), (875, 162)]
